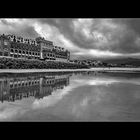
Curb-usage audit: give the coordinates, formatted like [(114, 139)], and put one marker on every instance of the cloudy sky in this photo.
[(94, 38)]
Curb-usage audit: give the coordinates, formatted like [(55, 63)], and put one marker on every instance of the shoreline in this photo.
[(114, 69)]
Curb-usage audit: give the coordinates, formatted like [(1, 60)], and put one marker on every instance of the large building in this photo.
[(39, 48)]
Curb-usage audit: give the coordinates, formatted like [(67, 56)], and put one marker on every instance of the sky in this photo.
[(84, 38)]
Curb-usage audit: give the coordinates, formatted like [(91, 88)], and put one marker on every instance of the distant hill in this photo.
[(127, 61), (118, 61), (121, 60)]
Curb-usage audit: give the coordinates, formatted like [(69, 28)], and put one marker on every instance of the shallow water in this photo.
[(85, 96)]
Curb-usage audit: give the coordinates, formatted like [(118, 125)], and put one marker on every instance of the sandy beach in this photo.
[(125, 70)]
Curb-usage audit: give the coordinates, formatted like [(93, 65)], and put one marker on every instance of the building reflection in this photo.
[(17, 88)]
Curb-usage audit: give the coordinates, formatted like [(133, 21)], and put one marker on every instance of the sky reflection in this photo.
[(86, 98), (52, 99)]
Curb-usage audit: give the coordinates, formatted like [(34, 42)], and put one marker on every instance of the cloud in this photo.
[(19, 27), (83, 37), (53, 99), (110, 36), (53, 33), (10, 111)]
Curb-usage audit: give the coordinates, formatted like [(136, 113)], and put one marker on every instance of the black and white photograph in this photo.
[(69, 69)]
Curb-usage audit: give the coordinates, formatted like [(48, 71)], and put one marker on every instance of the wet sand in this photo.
[(115, 69)]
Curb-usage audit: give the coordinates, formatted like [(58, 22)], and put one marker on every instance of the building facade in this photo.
[(39, 48)]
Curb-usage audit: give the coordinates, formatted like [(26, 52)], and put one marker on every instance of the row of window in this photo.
[(25, 52), (20, 96), (19, 54), (22, 40), (32, 53), (4, 53), (23, 83), (60, 80), (60, 56), (52, 55), (48, 55), (26, 94), (50, 58), (22, 56), (32, 82), (25, 47), (49, 82)]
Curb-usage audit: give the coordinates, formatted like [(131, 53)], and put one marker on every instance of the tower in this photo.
[(45, 45), (4, 45)]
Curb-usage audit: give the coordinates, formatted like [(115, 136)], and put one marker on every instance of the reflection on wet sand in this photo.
[(106, 98), (18, 93), (12, 89), (81, 97)]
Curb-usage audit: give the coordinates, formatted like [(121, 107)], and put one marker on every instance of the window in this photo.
[(15, 56), (5, 43), (11, 86), (16, 51), (19, 51), (11, 55), (21, 40), (6, 54), (12, 50), (1, 53)]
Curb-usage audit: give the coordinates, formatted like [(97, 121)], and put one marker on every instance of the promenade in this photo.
[(125, 70)]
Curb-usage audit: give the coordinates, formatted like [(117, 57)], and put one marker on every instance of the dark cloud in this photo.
[(24, 30), (132, 23), (126, 43), (123, 33), (65, 27), (28, 32)]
